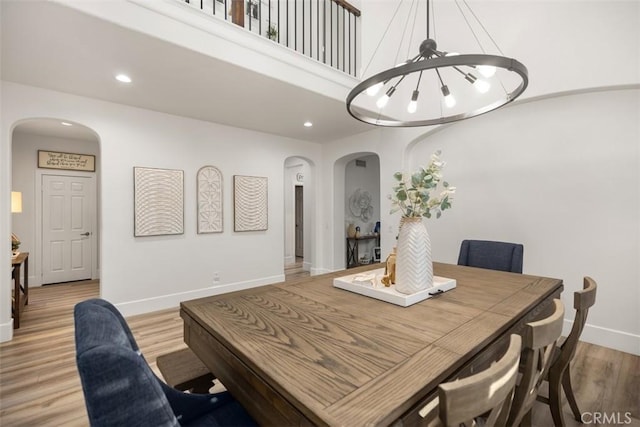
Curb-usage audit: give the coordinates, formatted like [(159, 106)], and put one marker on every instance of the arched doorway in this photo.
[(55, 165), (298, 213), (356, 195)]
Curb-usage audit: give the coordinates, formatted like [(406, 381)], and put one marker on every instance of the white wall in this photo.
[(145, 274), (560, 175)]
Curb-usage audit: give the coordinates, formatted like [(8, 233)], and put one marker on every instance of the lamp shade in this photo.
[(16, 202)]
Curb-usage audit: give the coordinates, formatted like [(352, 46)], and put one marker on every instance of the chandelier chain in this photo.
[(483, 27), (413, 27), (373, 55), (404, 32), (469, 25)]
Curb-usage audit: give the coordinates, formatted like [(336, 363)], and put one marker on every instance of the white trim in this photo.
[(605, 337), (318, 271), (6, 331), (164, 302)]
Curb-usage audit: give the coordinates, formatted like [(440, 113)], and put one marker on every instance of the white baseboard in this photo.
[(306, 266), (318, 271), (289, 260), (6, 331), (164, 302), (605, 337)]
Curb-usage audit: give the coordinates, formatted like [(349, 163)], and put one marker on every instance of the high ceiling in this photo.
[(51, 46)]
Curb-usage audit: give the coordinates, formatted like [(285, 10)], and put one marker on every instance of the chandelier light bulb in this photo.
[(382, 101), (482, 86), (486, 70), (413, 104), (449, 100), (373, 90)]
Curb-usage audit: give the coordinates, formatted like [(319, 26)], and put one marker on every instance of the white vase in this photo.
[(414, 269)]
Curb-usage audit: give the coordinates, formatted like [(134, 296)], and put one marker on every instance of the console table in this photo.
[(353, 259), (20, 289)]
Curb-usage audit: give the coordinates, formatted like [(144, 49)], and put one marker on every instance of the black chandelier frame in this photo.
[(474, 60)]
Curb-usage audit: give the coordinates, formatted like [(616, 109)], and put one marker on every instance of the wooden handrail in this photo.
[(351, 8)]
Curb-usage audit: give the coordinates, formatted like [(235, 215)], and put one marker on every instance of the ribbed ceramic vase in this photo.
[(414, 269)]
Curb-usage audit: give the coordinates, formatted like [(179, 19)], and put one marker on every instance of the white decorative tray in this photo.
[(368, 284)]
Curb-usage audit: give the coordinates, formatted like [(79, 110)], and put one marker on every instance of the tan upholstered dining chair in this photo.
[(559, 376), (538, 347), (488, 392)]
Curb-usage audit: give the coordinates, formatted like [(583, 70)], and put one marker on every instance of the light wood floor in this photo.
[(39, 384)]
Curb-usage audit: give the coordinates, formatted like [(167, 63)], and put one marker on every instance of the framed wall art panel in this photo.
[(250, 203), (158, 201), (209, 182)]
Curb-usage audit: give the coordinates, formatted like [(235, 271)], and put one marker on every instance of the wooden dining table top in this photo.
[(307, 353)]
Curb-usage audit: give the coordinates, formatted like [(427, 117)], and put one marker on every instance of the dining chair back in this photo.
[(488, 392), (538, 347), (492, 255), (121, 389), (559, 376)]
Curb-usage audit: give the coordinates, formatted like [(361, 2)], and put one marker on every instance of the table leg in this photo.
[(16, 297), (26, 281)]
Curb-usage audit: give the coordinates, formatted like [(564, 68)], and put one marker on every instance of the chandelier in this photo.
[(435, 86)]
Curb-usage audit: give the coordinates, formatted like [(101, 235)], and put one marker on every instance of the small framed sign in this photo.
[(66, 161)]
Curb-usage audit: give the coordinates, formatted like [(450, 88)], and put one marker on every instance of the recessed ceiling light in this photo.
[(308, 124), (66, 124), (123, 78)]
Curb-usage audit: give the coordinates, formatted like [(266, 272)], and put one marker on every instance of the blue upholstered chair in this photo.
[(120, 389), (501, 256)]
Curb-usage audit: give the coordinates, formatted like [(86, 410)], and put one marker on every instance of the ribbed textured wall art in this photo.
[(159, 201), (209, 181), (250, 203)]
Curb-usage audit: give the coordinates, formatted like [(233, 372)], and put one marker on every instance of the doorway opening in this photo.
[(59, 222), (298, 220)]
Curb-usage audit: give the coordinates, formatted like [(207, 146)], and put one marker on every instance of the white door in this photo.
[(67, 212)]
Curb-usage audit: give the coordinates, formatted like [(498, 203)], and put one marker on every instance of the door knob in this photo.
[(85, 234)]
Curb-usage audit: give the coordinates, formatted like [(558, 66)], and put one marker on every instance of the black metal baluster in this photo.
[(259, 17), (355, 45), (344, 37), (269, 19), (350, 48), (310, 29), (337, 36), (324, 32)]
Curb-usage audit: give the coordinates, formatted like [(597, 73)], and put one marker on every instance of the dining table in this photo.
[(305, 352)]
